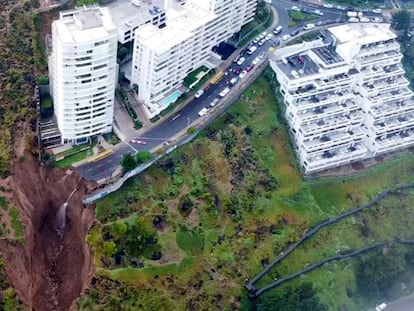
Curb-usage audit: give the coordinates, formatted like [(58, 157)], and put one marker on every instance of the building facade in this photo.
[(346, 96), (163, 57), (83, 72)]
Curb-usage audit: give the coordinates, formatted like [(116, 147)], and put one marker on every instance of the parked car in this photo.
[(214, 102), (135, 141), (364, 19), (308, 26), (295, 8), (277, 30), (262, 55), (251, 50), (203, 112), (294, 32), (249, 68), (377, 20), (268, 36), (377, 11), (241, 61), (263, 34), (328, 6), (233, 81), (256, 60), (257, 39), (237, 71), (261, 42), (286, 37), (224, 92), (199, 93), (242, 74), (318, 12), (320, 23), (339, 7), (353, 20)]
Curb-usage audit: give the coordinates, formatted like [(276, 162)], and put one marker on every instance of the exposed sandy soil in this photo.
[(49, 271)]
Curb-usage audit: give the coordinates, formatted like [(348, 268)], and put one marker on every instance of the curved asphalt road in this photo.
[(168, 128)]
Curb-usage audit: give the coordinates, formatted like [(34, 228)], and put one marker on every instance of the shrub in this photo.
[(42, 80)]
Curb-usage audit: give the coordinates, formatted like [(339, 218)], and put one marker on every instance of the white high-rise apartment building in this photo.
[(83, 73), (163, 57), (346, 97)]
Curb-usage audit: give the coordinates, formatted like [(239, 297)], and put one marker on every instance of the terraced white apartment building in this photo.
[(83, 73), (346, 96), (163, 57)]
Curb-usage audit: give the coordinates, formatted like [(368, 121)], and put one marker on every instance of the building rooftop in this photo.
[(362, 33), (85, 24), (328, 55), (182, 23), (128, 14)]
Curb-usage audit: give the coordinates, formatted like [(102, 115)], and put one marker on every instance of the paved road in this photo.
[(161, 133), (403, 304)]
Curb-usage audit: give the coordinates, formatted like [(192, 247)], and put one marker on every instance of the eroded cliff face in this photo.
[(51, 268)]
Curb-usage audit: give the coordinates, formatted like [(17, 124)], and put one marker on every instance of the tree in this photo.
[(119, 228), (143, 157), (122, 53), (109, 248), (378, 272), (302, 298), (128, 162), (401, 20)]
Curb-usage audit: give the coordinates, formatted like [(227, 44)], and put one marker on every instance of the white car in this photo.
[(241, 61), (242, 74), (262, 55), (318, 12), (268, 37), (256, 60), (328, 6), (257, 39), (214, 102), (377, 20), (203, 112), (286, 37), (364, 19), (199, 93), (135, 141), (308, 26), (295, 8), (263, 34), (377, 11), (224, 92), (340, 8)]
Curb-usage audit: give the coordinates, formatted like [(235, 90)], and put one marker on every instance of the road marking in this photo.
[(132, 148), (176, 117)]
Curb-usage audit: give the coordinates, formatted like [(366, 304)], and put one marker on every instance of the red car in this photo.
[(135, 141), (249, 68), (237, 71)]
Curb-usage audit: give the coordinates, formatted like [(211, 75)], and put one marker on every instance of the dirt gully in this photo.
[(54, 265)]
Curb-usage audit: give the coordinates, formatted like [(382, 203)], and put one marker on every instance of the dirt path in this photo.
[(49, 271)]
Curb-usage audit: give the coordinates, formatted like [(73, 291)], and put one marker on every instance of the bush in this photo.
[(128, 162), (42, 80), (46, 103), (143, 156)]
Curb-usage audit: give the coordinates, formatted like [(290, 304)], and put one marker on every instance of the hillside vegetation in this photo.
[(18, 66), (187, 233)]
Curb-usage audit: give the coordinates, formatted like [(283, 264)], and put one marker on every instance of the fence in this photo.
[(254, 292)]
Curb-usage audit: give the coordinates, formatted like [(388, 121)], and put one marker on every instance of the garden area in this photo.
[(189, 231), (297, 18), (73, 155)]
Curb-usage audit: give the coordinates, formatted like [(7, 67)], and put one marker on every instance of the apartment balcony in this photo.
[(329, 124), (392, 109), (317, 100), (383, 85), (394, 95), (340, 79), (394, 141), (379, 48), (334, 158), (387, 58), (394, 124)]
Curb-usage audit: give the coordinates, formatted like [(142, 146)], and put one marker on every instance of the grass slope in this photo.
[(231, 201)]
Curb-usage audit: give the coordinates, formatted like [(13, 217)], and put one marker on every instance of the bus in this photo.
[(217, 77), (100, 156)]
